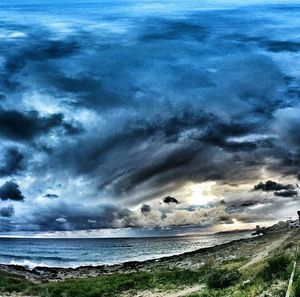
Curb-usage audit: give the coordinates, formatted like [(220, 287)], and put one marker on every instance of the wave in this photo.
[(28, 264), (33, 264), (30, 258)]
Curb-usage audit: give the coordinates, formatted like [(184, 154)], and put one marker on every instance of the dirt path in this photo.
[(176, 293), (272, 246)]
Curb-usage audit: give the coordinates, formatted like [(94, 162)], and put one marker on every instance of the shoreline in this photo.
[(190, 260), (32, 264)]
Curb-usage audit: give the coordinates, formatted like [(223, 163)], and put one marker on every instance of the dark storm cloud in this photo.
[(51, 196), (7, 212), (211, 129), (25, 126), (190, 133), (204, 128), (275, 46), (286, 193), (13, 162), (164, 29), (170, 199), (39, 46), (97, 148), (270, 185), (40, 50), (218, 132), (179, 152), (10, 191), (62, 216), (145, 209), (88, 91), (164, 164), (239, 203), (113, 84), (288, 163), (240, 206), (282, 46)]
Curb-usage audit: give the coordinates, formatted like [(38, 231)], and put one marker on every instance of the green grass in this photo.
[(296, 284), (276, 267), (262, 277), (235, 260), (113, 285), (223, 278), (13, 283)]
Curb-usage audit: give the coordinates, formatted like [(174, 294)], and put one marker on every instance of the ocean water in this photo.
[(33, 252)]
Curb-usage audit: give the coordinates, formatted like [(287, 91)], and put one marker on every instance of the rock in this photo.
[(246, 282), (265, 294)]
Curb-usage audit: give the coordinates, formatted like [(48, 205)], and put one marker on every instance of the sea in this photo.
[(75, 252)]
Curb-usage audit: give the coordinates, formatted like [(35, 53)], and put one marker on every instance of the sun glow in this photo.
[(200, 193)]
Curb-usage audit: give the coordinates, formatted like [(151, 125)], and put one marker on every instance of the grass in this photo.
[(270, 275), (296, 284), (13, 283), (276, 267), (223, 278), (238, 290), (113, 285), (235, 260)]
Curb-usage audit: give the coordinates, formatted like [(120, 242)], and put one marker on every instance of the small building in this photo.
[(296, 223)]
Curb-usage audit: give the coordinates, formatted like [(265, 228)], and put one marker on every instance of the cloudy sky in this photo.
[(129, 114)]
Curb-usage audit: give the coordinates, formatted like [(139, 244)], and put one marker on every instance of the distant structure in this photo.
[(281, 225), (295, 224), (259, 230), (290, 223)]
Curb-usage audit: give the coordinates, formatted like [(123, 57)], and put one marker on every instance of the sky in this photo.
[(143, 115)]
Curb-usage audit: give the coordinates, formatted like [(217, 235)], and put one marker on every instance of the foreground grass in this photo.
[(113, 285), (269, 276), (13, 283), (106, 285), (296, 286)]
